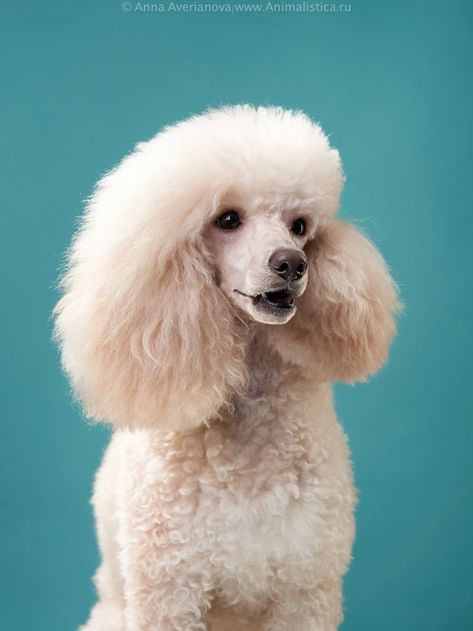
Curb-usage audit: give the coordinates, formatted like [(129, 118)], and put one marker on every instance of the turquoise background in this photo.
[(390, 81)]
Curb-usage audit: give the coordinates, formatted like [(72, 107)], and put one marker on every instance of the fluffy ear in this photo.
[(147, 338), (345, 321)]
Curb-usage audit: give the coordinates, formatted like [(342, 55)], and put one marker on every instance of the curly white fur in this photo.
[(225, 499)]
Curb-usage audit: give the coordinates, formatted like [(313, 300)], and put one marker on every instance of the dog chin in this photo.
[(269, 316)]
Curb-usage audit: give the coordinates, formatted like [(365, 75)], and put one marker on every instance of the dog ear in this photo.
[(147, 337), (345, 320)]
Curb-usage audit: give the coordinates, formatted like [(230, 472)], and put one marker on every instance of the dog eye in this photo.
[(298, 227), (229, 220)]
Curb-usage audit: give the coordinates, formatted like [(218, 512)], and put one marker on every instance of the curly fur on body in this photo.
[(225, 498)]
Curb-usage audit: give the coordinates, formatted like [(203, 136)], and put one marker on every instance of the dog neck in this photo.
[(265, 364), (268, 373)]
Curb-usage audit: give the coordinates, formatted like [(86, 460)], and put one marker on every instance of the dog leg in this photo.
[(176, 604), (174, 601), (105, 616), (108, 613), (317, 609)]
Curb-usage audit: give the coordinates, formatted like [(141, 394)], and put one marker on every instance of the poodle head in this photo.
[(217, 223)]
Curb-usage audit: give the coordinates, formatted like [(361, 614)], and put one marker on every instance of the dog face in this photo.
[(259, 256), (225, 215)]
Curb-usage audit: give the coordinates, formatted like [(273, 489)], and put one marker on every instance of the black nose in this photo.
[(289, 264)]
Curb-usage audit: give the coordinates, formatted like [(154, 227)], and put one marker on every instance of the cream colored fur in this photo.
[(225, 498)]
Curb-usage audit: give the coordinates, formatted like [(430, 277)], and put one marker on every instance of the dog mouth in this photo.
[(281, 299), (278, 301)]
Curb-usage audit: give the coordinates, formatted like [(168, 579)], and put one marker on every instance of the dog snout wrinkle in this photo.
[(288, 264)]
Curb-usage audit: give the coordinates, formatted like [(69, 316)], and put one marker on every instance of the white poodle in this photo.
[(210, 300)]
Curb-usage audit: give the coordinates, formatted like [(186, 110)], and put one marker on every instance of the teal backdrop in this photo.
[(390, 82)]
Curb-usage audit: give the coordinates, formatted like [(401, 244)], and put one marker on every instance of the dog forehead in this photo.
[(256, 200)]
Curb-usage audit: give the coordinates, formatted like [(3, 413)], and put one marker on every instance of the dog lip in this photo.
[(278, 300)]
